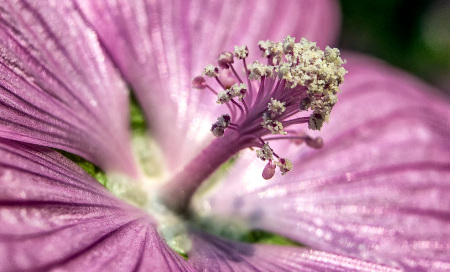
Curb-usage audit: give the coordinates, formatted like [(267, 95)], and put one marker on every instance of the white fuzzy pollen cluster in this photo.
[(272, 50), (274, 109), (304, 64), (265, 153), (211, 71), (237, 90), (293, 78), (218, 128), (264, 47), (258, 70), (274, 126), (288, 44), (224, 97), (240, 52), (285, 165)]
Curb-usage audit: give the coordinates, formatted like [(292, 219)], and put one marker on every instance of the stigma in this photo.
[(293, 87)]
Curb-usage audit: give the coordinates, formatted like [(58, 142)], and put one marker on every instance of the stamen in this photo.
[(211, 71), (265, 46), (298, 77), (299, 138), (288, 44), (241, 52), (220, 82), (199, 82), (211, 89), (316, 121), (224, 97), (285, 165), (257, 70), (236, 74), (297, 86), (225, 60), (248, 79), (218, 128), (275, 127), (314, 143), (265, 153), (300, 120), (276, 107), (239, 90)]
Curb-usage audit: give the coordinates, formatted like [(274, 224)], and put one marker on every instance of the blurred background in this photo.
[(411, 34)]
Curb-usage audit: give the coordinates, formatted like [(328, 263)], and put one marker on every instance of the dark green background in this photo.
[(411, 34)]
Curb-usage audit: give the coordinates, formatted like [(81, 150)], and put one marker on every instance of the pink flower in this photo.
[(375, 197)]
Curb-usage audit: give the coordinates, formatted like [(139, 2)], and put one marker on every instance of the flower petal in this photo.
[(161, 45), (55, 216), (379, 187), (57, 89), (210, 253)]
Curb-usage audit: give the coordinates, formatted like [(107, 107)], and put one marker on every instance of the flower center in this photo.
[(297, 77), (265, 102)]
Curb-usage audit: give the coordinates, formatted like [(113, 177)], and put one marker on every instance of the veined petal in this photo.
[(379, 187), (210, 253), (57, 88), (161, 45), (54, 216)]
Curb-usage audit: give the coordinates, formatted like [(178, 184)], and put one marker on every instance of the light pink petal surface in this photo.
[(213, 254), (160, 46), (379, 188), (57, 88), (54, 216)]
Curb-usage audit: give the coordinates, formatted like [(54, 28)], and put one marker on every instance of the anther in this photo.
[(265, 152), (199, 82), (288, 44), (316, 121), (314, 143), (274, 126), (276, 107), (265, 46), (211, 71), (241, 52), (300, 137), (218, 128), (225, 60), (285, 165), (257, 70), (224, 97), (239, 90), (305, 104)]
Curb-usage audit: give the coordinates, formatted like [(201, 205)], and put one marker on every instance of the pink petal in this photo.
[(54, 216), (378, 189), (213, 254), (57, 88), (161, 45)]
